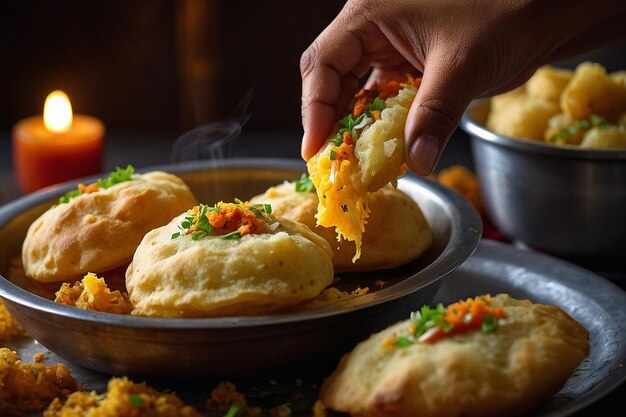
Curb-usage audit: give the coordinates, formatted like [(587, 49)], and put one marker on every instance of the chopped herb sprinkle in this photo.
[(366, 108), (136, 400), (230, 221), (118, 176), (304, 184), (232, 411), (579, 126), (429, 325)]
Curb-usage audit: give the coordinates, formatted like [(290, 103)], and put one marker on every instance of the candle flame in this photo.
[(57, 112)]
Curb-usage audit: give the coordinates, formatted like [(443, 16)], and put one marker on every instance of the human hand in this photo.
[(463, 49)]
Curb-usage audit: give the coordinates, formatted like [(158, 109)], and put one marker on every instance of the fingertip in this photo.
[(306, 151), (423, 154)]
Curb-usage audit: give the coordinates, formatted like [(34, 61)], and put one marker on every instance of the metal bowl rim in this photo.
[(481, 133), (461, 245)]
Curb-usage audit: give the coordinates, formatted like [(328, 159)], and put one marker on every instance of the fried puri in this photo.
[(507, 371), (363, 155), (213, 276), (396, 231), (98, 231)]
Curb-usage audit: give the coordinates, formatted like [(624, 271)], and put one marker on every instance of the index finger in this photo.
[(330, 69)]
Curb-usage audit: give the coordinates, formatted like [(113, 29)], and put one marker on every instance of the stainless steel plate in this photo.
[(231, 346), (597, 304), (494, 267)]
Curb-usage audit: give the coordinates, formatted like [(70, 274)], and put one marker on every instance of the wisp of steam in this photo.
[(212, 140)]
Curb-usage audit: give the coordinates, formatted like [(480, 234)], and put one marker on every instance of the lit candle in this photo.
[(56, 147)]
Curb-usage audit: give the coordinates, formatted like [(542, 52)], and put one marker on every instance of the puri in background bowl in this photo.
[(564, 200), (242, 345)]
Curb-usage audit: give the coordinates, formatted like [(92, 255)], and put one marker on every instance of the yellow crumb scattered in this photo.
[(123, 398), (9, 328), (224, 395), (388, 342), (92, 293), (359, 291), (26, 388), (333, 295)]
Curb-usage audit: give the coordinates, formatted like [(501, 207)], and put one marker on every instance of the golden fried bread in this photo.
[(396, 231), (186, 275), (505, 371), (98, 231), (364, 155)]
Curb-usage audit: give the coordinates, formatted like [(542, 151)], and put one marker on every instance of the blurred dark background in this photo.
[(162, 66), (158, 66), (152, 70)]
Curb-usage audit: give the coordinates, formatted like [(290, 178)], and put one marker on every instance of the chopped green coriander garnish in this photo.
[(196, 222), (564, 134), (599, 121), (377, 104), (136, 400), (333, 155), (232, 236), (427, 318), (403, 342), (304, 184), (347, 124), (232, 411), (350, 122), (65, 198), (115, 177), (489, 324)]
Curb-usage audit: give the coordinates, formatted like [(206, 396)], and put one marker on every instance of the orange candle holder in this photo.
[(45, 154)]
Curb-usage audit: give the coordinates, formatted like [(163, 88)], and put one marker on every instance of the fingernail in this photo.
[(423, 153)]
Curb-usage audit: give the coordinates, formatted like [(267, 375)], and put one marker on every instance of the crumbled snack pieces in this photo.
[(225, 397), (123, 398), (9, 328), (26, 388), (92, 293)]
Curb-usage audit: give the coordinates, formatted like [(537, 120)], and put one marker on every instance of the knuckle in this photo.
[(309, 59), (361, 8), (440, 111)]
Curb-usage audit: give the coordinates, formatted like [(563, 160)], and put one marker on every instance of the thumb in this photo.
[(435, 113)]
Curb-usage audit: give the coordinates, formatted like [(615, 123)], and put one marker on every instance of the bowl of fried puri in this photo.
[(217, 268), (550, 157)]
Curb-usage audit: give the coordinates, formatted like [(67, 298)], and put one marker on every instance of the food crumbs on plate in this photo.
[(92, 293), (9, 328), (429, 325), (380, 283), (333, 295), (27, 388), (225, 395), (123, 398)]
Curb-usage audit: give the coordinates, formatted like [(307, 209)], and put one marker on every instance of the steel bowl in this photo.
[(235, 346), (563, 200)]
